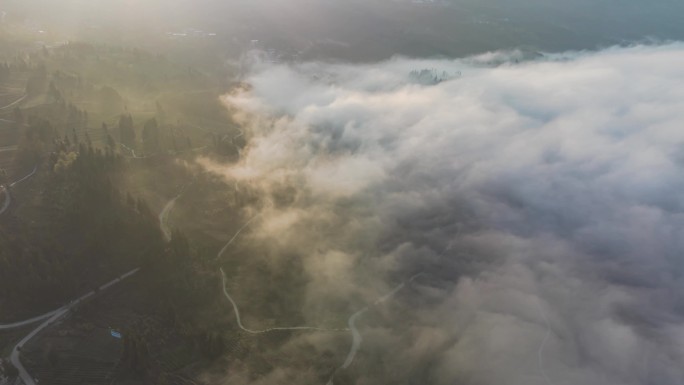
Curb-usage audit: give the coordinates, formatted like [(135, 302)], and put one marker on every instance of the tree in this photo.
[(126, 130), (136, 353), (150, 136), (110, 100), (161, 114), (37, 81), (51, 356), (8, 369)]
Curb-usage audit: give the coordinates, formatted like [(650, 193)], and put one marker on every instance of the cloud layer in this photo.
[(542, 199)]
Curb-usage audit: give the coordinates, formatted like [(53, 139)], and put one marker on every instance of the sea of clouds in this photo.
[(543, 198)]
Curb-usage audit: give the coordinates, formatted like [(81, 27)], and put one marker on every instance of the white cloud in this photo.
[(555, 185)]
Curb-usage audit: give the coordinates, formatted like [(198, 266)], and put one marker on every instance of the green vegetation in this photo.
[(105, 137)]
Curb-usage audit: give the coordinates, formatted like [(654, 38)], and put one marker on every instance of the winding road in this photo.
[(15, 357), (235, 307), (8, 200), (223, 250), (14, 102), (251, 331), (55, 315), (35, 168), (357, 339), (8, 196), (164, 216), (28, 321), (131, 150), (356, 335)]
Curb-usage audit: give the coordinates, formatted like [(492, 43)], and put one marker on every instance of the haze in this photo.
[(341, 192)]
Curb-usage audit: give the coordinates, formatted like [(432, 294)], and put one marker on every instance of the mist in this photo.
[(357, 31), (539, 198)]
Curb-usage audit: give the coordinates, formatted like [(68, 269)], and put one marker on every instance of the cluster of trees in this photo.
[(154, 138), (22, 63), (35, 140), (84, 231), (81, 228), (76, 119), (53, 93), (61, 79), (38, 81), (5, 72), (227, 146), (126, 130), (135, 355), (4, 177), (212, 344), (431, 76), (110, 100), (150, 136)]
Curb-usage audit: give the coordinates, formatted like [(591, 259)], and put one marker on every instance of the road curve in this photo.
[(356, 335), (163, 217), (28, 321), (251, 331), (129, 149), (235, 307), (14, 102), (8, 196), (164, 214), (12, 121), (225, 247), (15, 356), (35, 168), (8, 200)]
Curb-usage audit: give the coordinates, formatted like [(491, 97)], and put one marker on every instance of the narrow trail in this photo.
[(235, 307), (163, 217), (133, 155), (252, 331), (164, 214), (7, 201), (225, 247), (28, 321), (357, 339), (14, 102), (35, 168)]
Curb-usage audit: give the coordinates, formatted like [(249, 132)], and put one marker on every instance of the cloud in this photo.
[(542, 199)]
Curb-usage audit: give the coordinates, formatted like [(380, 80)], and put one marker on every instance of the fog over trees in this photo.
[(341, 192)]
